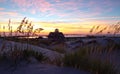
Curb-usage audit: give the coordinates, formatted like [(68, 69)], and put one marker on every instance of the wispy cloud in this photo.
[(57, 0), (99, 18), (1, 9), (8, 13), (38, 5), (2, 0), (22, 3), (61, 10), (103, 5), (5, 16)]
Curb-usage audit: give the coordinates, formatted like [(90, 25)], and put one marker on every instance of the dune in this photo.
[(36, 67)]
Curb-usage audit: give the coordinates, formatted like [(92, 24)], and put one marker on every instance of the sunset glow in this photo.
[(69, 16)]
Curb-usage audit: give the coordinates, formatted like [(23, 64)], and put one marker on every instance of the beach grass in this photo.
[(82, 60)]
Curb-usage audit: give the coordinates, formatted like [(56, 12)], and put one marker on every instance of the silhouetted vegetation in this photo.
[(25, 28), (84, 57), (17, 54), (82, 60), (112, 30)]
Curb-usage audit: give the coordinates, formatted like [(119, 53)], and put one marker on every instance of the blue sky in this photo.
[(70, 11), (59, 9)]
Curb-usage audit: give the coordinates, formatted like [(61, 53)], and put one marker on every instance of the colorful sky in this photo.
[(70, 16)]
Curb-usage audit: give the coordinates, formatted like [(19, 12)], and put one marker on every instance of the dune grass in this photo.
[(17, 54), (82, 60)]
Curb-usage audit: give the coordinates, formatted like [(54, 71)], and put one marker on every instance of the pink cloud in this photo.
[(42, 5), (8, 13), (33, 11), (64, 8), (22, 3), (1, 9), (2, 0), (67, 5), (38, 5), (57, 0), (105, 6), (46, 7)]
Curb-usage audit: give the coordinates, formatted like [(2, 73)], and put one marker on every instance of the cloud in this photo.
[(57, 8), (4, 16), (1, 9), (2, 0), (22, 3), (33, 11), (71, 10), (98, 18), (62, 8), (38, 5), (57, 0), (102, 6), (8, 13), (93, 20)]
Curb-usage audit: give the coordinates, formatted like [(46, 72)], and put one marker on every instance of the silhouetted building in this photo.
[(56, 36)]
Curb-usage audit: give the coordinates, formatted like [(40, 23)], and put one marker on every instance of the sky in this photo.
[(70, 16)]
